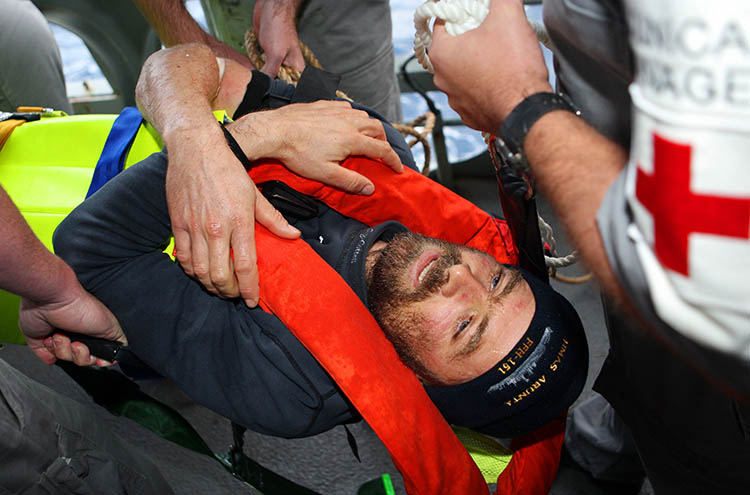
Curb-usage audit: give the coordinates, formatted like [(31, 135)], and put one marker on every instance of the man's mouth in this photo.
[(422, 266), (426, 269)]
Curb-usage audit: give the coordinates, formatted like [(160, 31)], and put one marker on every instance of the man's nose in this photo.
[(461, 281)]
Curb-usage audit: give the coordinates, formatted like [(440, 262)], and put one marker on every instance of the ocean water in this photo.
[(83, 75)]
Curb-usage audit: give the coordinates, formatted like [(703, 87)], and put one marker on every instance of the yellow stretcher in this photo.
[(46, 168)]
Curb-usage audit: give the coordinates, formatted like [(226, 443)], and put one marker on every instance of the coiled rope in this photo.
[(459, 16), (426, 121), (554, 262)]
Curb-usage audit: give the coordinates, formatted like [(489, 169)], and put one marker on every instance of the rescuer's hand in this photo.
[(213, 205), (75, 310), (312, 139), (487, 71), (276, 31)]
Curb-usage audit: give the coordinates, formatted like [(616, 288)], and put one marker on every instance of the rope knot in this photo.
[(460, 16)]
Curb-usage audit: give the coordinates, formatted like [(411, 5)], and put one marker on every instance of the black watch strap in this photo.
[(518, 123)]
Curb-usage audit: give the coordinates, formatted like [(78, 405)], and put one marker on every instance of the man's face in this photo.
[(451, 311)]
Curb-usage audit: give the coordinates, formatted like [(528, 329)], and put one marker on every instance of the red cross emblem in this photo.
[(678, 212)]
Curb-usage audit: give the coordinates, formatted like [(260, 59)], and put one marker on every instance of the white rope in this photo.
[(548, 236), (460, 16)]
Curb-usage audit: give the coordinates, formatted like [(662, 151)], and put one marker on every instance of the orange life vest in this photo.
[(361, 360)]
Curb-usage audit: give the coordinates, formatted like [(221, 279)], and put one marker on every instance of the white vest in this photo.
[(689, 171)]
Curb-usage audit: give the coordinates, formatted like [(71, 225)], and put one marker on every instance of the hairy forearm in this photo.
[(574, 166), (27, 267), (172, 22), (174, 25), (291, 6)]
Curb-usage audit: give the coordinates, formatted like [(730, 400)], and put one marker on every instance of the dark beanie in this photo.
[(533, 384)]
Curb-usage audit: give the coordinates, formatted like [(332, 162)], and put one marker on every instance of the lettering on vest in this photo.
[(360, 245), (528, 391), (699, 85), (690, 37), (681, 59), (509, 363), (560, 354)]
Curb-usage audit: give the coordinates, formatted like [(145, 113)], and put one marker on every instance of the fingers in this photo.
[(81, 355), (438, 29), (349, 181), (373, 143), (272, 65), (378, 150), (220, 266), (200, 260), (370, 127), (294, 58), (270, 218), (245, 264), (370, 139), (183, 252), (47, 356), (59, 346)]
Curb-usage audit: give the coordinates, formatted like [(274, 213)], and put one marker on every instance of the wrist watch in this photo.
[(509, 139)]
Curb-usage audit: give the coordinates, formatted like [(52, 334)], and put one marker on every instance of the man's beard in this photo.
[(389, 292)]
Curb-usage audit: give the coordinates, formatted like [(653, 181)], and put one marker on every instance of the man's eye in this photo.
[(462, 326), (495, 281)]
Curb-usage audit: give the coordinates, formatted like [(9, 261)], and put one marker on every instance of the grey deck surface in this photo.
[(323, 463)]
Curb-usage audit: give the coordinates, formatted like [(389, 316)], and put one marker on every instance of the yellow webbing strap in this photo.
[(489, 455)]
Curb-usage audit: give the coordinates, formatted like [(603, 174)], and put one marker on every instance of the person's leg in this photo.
[(53, 444), (692, 439), (599, 442), (31, 72), (354, 40)]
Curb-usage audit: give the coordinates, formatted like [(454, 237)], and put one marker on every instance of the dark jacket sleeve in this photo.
[(242, 363)]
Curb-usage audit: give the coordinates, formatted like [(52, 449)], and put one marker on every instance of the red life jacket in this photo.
[(355, 352)]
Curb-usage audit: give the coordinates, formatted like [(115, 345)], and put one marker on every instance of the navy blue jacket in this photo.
[(242, 363)]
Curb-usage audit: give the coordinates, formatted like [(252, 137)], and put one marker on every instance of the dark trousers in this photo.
[(50, 444), (691, 437)]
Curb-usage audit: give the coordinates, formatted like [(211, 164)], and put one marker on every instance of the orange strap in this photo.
[(421, 204), (30, 109), (7, 127)]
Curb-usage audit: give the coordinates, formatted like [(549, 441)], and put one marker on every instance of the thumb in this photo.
[(272, 65), (38, 348), (294, 58), (438, 32), (349, 181), (270, 218)]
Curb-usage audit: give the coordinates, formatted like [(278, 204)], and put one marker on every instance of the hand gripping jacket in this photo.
[(384, 391)]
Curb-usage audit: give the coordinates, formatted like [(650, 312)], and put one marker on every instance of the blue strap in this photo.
[(121, 137)]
